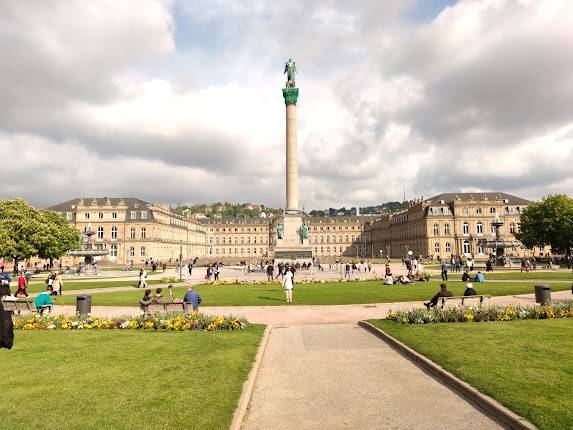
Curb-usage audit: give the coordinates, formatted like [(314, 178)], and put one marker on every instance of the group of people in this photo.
[(191, 297)]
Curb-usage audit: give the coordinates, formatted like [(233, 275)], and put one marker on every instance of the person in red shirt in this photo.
[(21, 286)]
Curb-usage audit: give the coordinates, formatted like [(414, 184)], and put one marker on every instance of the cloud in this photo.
[(180, 101)]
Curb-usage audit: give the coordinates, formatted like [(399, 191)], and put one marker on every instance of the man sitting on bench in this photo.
[(444, 292), (44, 301)]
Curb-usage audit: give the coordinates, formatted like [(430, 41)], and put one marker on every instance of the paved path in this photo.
[(342, 377), (309, 314)]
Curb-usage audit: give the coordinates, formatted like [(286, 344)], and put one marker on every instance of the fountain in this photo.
[(499, 244), (88, 251)]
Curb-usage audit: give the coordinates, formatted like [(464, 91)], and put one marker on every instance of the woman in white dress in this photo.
[(288, 285)]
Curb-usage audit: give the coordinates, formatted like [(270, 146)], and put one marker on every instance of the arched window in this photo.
[(113, 250), (100, 233), (466, 228), (142, 251), (143, 233), (132, 233), (448, 247), (479, 228), (114, 233), (436, 247), (436, 229), (467, 247), (446, 229)]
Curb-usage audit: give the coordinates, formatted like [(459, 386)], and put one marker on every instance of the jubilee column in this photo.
[(290, 94)]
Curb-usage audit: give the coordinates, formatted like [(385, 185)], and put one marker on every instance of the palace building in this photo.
[(134, 230), (453, 223)]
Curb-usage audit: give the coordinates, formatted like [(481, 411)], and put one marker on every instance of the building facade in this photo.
[(452, 223), (133, 230)]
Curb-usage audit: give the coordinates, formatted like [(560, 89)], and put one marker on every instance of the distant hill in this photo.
[(227, 210), (384, 208)]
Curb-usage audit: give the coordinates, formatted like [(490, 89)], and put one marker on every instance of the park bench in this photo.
[(18, 305), (151, 309), (461, 301)]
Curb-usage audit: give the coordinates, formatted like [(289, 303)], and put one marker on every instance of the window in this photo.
[(464, 211), (133, 215), (466, 227), (509, 209), (114, 215), (478, 211), (492, 210), (113, 250), (142, 251), (436, 247), (467, 247), (132, 233), (448, 247), (87, 215), (479, 228), (512, 227), (143, 232), (446, 229), (132, 251), (68, 215), (436, 229), (114, 233), (143, 215), (481, 249), (100, 233), (100, 215)]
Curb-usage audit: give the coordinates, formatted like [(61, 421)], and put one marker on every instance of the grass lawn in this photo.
[(315, 294), (526, 365), (36, 287), (518, 275), (126, 379)]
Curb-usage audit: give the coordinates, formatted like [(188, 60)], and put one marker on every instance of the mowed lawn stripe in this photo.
[(337, 293)]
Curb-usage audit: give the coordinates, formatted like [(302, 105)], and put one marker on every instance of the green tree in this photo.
[(57, 236), (549, 222), (20, 230)]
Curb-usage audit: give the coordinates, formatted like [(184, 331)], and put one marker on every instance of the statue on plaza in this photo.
[(280, 231), (290, 70), (304, 231)]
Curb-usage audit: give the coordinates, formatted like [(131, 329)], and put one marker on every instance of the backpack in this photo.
[(6, 328)]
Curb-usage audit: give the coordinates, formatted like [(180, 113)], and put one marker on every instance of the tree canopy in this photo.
[(549, 222), (26, 232)]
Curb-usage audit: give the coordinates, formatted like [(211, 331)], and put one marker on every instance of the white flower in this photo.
[(51, 327)]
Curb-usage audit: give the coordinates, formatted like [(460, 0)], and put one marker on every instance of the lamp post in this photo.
[(180, 261), (380, 256)]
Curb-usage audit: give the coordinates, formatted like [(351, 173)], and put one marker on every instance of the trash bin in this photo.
[(543, 295), (83, 305)]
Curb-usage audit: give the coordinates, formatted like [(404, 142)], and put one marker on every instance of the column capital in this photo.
[(290, 95)]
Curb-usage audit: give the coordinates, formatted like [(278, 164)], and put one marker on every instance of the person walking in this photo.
[(142, 278), (58, 283), (288, 285), (444, 270), (270, 272)]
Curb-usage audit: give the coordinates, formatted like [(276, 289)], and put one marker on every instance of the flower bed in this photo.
[(482, 314), (194, 321)]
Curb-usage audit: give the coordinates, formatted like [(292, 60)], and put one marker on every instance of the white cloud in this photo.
[(180, 101)]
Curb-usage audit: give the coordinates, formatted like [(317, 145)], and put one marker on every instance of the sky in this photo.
[(179, 101)]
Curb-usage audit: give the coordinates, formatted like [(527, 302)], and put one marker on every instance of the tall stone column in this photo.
[(290, 95)]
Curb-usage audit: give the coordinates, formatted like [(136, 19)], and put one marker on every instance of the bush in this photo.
[(169, 280), (482, 314)]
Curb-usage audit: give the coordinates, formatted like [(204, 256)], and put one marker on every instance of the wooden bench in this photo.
[(443, 301), (166, 307), (19, 305)]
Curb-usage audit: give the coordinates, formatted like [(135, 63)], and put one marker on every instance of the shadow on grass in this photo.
[(271, 298)]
